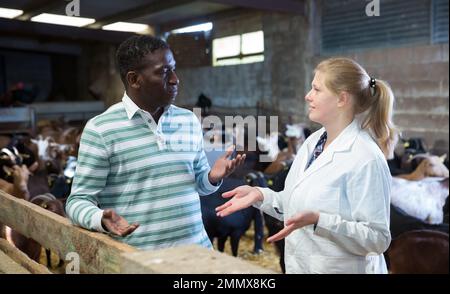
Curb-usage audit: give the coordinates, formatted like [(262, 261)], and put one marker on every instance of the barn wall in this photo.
[(228, 86), (62, 70), (419, 78), (274, 83), (418, 75), (100, 78)]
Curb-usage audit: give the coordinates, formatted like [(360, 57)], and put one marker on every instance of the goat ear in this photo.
[(443, 157)]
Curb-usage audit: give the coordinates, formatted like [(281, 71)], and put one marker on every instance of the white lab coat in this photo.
[(349, 184)]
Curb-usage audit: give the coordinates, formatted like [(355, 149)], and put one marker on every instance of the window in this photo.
[(239, 49)]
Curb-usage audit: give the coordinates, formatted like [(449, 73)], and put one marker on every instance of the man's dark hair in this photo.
[(131, 52)]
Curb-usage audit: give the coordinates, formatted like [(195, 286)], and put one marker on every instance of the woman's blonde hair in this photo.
[(372, 97)]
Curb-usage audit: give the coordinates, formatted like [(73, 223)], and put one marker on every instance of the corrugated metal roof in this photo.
[(440, 21), (345, 25)]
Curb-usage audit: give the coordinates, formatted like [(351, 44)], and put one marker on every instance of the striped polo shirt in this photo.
[(150, 173)]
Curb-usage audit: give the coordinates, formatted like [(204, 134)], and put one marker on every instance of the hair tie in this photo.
[(372, 85)]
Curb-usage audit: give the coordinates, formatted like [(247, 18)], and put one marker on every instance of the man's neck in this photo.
[(155, 111)]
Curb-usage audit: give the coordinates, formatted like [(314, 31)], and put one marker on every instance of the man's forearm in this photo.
[(212, 180)]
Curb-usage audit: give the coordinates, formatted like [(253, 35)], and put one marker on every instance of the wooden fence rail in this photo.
[(99, 253)]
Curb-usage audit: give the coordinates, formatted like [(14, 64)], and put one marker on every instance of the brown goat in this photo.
[(430, 166), (419, 252), (28, 245)]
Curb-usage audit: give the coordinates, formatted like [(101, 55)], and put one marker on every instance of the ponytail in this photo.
[(379, 116), (373, 98)]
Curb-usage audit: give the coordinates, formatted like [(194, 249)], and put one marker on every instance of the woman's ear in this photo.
[(133, 80), (344, 99)]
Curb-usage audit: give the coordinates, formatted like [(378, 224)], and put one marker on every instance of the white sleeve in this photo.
[(96, 221), (368, 192), (272, 203)]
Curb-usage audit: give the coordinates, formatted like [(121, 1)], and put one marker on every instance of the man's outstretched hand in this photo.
[(116, 224), (224, 166)]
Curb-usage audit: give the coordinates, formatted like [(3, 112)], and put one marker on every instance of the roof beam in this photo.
[(290, 6), (153, 7), (38, 7), (16, 28), (232, 12)]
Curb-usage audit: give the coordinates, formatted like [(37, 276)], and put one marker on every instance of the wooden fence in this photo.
[(99, 253)]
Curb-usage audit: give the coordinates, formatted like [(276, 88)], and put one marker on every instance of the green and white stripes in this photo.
[(122, 166)]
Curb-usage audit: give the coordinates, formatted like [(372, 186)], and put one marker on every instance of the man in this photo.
[(141, 163)]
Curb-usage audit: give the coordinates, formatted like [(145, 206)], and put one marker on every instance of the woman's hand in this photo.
[(243, 197), (298, 221)]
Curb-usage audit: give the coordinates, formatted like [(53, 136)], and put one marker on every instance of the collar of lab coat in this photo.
[(342, 143)]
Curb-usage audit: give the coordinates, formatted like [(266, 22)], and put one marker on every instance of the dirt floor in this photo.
[(267, 259), (54, 261)]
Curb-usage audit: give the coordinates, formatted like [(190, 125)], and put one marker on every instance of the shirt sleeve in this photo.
[(201, 166), (272, 203), (90, 179), (368, 193)]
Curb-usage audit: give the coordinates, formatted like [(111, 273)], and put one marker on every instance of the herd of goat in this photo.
[(40, 169)]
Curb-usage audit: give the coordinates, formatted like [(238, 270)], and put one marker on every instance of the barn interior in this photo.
[(247, 58)]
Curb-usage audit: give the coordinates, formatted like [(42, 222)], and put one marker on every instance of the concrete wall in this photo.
[(419, 78), (276, 84), (418, 75), (228, 86), (99, 78), (62, 70)]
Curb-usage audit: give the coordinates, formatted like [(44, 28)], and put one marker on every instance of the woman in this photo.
[(335, 204)]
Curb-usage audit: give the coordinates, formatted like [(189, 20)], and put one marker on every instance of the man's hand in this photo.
[(298, 221), (223, 167), (116, 224), (243, 197)]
